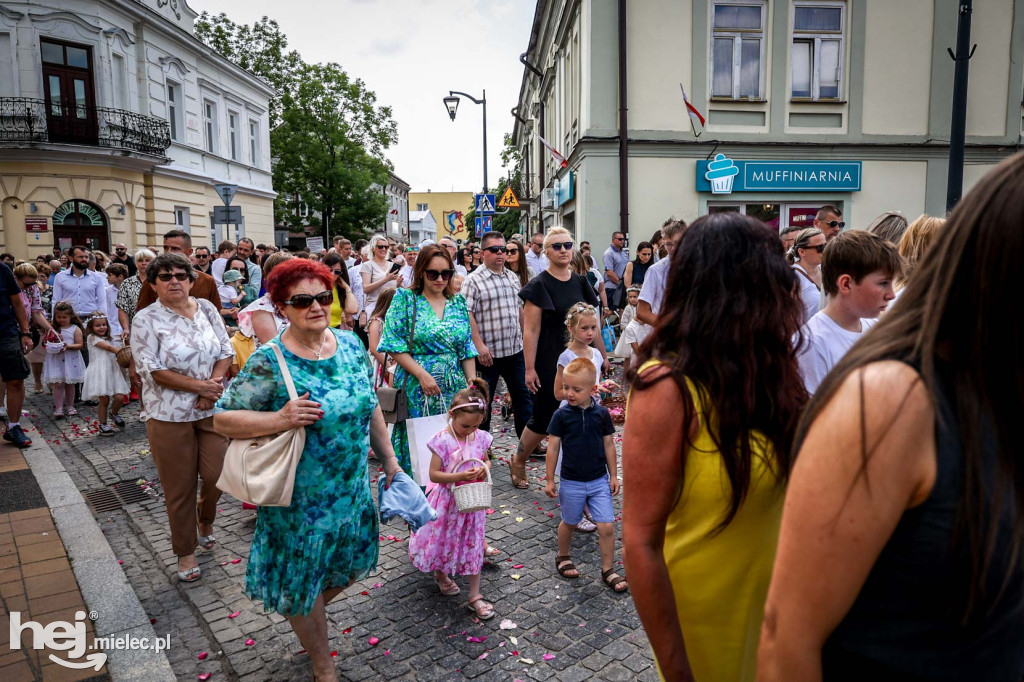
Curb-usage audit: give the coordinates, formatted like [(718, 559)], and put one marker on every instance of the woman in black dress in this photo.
[(547, 298)]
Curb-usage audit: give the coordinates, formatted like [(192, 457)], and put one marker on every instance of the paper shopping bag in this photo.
[(421, 430)]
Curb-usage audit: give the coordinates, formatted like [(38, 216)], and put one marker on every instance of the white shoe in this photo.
[(143, 417)]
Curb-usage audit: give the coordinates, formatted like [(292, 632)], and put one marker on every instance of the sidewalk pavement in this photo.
[(55, 565)]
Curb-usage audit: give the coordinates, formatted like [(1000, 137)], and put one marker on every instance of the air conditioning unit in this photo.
[(547, 198)]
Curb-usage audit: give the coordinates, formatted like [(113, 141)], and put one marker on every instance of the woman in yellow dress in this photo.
[(706, 449)]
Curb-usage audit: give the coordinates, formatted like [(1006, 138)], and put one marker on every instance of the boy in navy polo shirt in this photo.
[(582, 431)]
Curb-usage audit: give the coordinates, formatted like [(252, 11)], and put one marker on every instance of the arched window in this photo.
[(81, 222)]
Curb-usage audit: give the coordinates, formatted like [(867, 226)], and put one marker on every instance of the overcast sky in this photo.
[(411, 53)]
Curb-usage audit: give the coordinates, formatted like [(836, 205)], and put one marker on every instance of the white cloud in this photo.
[(411, 53)]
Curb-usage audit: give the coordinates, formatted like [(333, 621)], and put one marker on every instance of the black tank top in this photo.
[(906, 623), (640, 271)]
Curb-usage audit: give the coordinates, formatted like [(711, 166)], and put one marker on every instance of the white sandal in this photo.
[(189, 575)]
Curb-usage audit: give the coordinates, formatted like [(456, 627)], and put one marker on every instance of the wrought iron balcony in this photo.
[(24, 120)]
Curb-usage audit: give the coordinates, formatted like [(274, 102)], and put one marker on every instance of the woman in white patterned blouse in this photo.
[(183, 354)]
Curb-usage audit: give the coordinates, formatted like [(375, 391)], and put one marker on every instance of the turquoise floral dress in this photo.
[(328, 536), (438, 346)]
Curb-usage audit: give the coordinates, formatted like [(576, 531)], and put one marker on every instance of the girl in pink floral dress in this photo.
[(454, 543)]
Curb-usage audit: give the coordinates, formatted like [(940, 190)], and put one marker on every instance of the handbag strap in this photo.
[(292, 393), (807, 277)]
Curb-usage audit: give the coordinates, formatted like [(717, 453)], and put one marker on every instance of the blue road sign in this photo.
[(483, 224), (483, 203)]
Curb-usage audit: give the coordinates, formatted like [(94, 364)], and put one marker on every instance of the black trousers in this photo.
[(511, 368)]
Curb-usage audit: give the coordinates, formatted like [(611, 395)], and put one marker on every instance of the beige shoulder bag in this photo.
[(261, 470)]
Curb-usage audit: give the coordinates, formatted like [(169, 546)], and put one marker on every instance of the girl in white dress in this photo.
[(103, 378), (65, 368)]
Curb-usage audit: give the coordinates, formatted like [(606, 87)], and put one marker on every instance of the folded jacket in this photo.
[(405, 499)]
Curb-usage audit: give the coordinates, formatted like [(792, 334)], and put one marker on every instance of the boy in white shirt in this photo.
[(858, 270)]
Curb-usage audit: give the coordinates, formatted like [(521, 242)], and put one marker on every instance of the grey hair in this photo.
[(142, 254), (890, 226)]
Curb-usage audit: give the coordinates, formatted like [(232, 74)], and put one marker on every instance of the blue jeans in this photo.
[(511, 368), (573, 496)]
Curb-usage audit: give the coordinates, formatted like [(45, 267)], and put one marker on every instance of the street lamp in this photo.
[(451, 103)]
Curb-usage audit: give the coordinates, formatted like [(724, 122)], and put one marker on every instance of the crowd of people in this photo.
[(819, 473)]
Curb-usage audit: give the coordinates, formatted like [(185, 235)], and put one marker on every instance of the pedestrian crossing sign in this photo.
[(484, 203), (508, 199)]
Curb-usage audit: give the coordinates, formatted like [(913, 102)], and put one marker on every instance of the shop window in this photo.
[(737, 50), (817, 52)]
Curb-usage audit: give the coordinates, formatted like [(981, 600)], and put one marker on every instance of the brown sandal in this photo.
[(614, 581), (563, 564), (519, 479)]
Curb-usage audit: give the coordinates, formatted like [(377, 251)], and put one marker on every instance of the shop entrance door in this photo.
[(775, 216)]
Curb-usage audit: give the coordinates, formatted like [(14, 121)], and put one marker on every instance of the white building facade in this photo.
[(422, 226), (396, 225), (116, 123), (845, 102)]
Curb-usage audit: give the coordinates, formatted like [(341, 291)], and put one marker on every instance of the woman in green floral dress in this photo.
[(302, 556), (438, 362)]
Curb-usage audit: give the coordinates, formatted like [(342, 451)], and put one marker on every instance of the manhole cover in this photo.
[(131, 492), (102, 500)]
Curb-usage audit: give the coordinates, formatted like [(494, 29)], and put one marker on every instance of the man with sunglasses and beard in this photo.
[(829, 219), (122, 256), (496, 320)]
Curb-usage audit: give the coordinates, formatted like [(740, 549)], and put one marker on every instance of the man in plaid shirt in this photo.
[(496, 319)]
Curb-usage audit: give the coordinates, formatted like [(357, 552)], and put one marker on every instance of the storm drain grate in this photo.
[(102, 500), (131, 492)]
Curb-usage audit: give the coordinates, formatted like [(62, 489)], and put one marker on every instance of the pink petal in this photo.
[(482, 656), (120, 562), (376, 585), (205, 676), (250, 642), (236, 561), (482, 638), (334, 654), (346, 631), (236, 614), (373, 641), (548, 657), (518, 566), (387, 652), (202, 656)]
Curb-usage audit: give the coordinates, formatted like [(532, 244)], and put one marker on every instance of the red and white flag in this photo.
[(694, 114), (554, 152)]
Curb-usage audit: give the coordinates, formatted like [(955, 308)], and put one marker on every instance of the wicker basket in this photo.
[(472, 497), (124, 357)]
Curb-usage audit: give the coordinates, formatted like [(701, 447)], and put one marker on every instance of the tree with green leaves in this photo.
[(506, 223), (328, 134)]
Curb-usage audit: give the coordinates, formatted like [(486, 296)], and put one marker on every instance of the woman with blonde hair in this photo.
[(915, 241), (547, 297), (890, 226), (805, 258)]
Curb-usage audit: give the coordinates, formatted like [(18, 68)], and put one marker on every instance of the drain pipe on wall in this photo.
[(623, 129)]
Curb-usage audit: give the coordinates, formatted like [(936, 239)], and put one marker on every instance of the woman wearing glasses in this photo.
[(182, 353), (345, 305), (377, 272), (547, 297), (515, 260), (304, 555), (427, 332), (805, 258)]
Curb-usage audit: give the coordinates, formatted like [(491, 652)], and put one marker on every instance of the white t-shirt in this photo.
[(227, 294), (539, 262), (406, 273), (824, 345), (217, 270), (655, 281), (635, 332), (568, 356), (810, 296), (376, 273), (112, 321)]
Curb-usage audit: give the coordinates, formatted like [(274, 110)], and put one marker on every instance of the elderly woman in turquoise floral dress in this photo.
[(302, 556), (427, 332)]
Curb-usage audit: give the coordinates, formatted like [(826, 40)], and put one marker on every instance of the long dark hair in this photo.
[(522, 267), (640, 247), (728, 326), (419, 269), (958, 311)]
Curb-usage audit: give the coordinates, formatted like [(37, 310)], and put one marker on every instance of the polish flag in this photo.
[(692, 111), (554, 152)]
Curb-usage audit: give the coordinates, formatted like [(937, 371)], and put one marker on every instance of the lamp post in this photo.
[(451, 103)]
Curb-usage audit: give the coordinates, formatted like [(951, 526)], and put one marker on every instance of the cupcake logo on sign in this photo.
[(721, 173)]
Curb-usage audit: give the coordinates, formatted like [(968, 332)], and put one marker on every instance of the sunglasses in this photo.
[(336, 272), (412, 249), (439, 274), (303, 301), (381, 247), (121, 250), (820, 248), (562, 245), (512, 252), (496, 249), (168, 276), (202, 255), (836, 223)]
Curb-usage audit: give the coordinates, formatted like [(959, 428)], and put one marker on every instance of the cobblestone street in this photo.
[(564, 630)]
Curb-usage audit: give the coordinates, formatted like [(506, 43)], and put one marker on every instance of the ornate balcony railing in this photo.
[(25, 120)]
